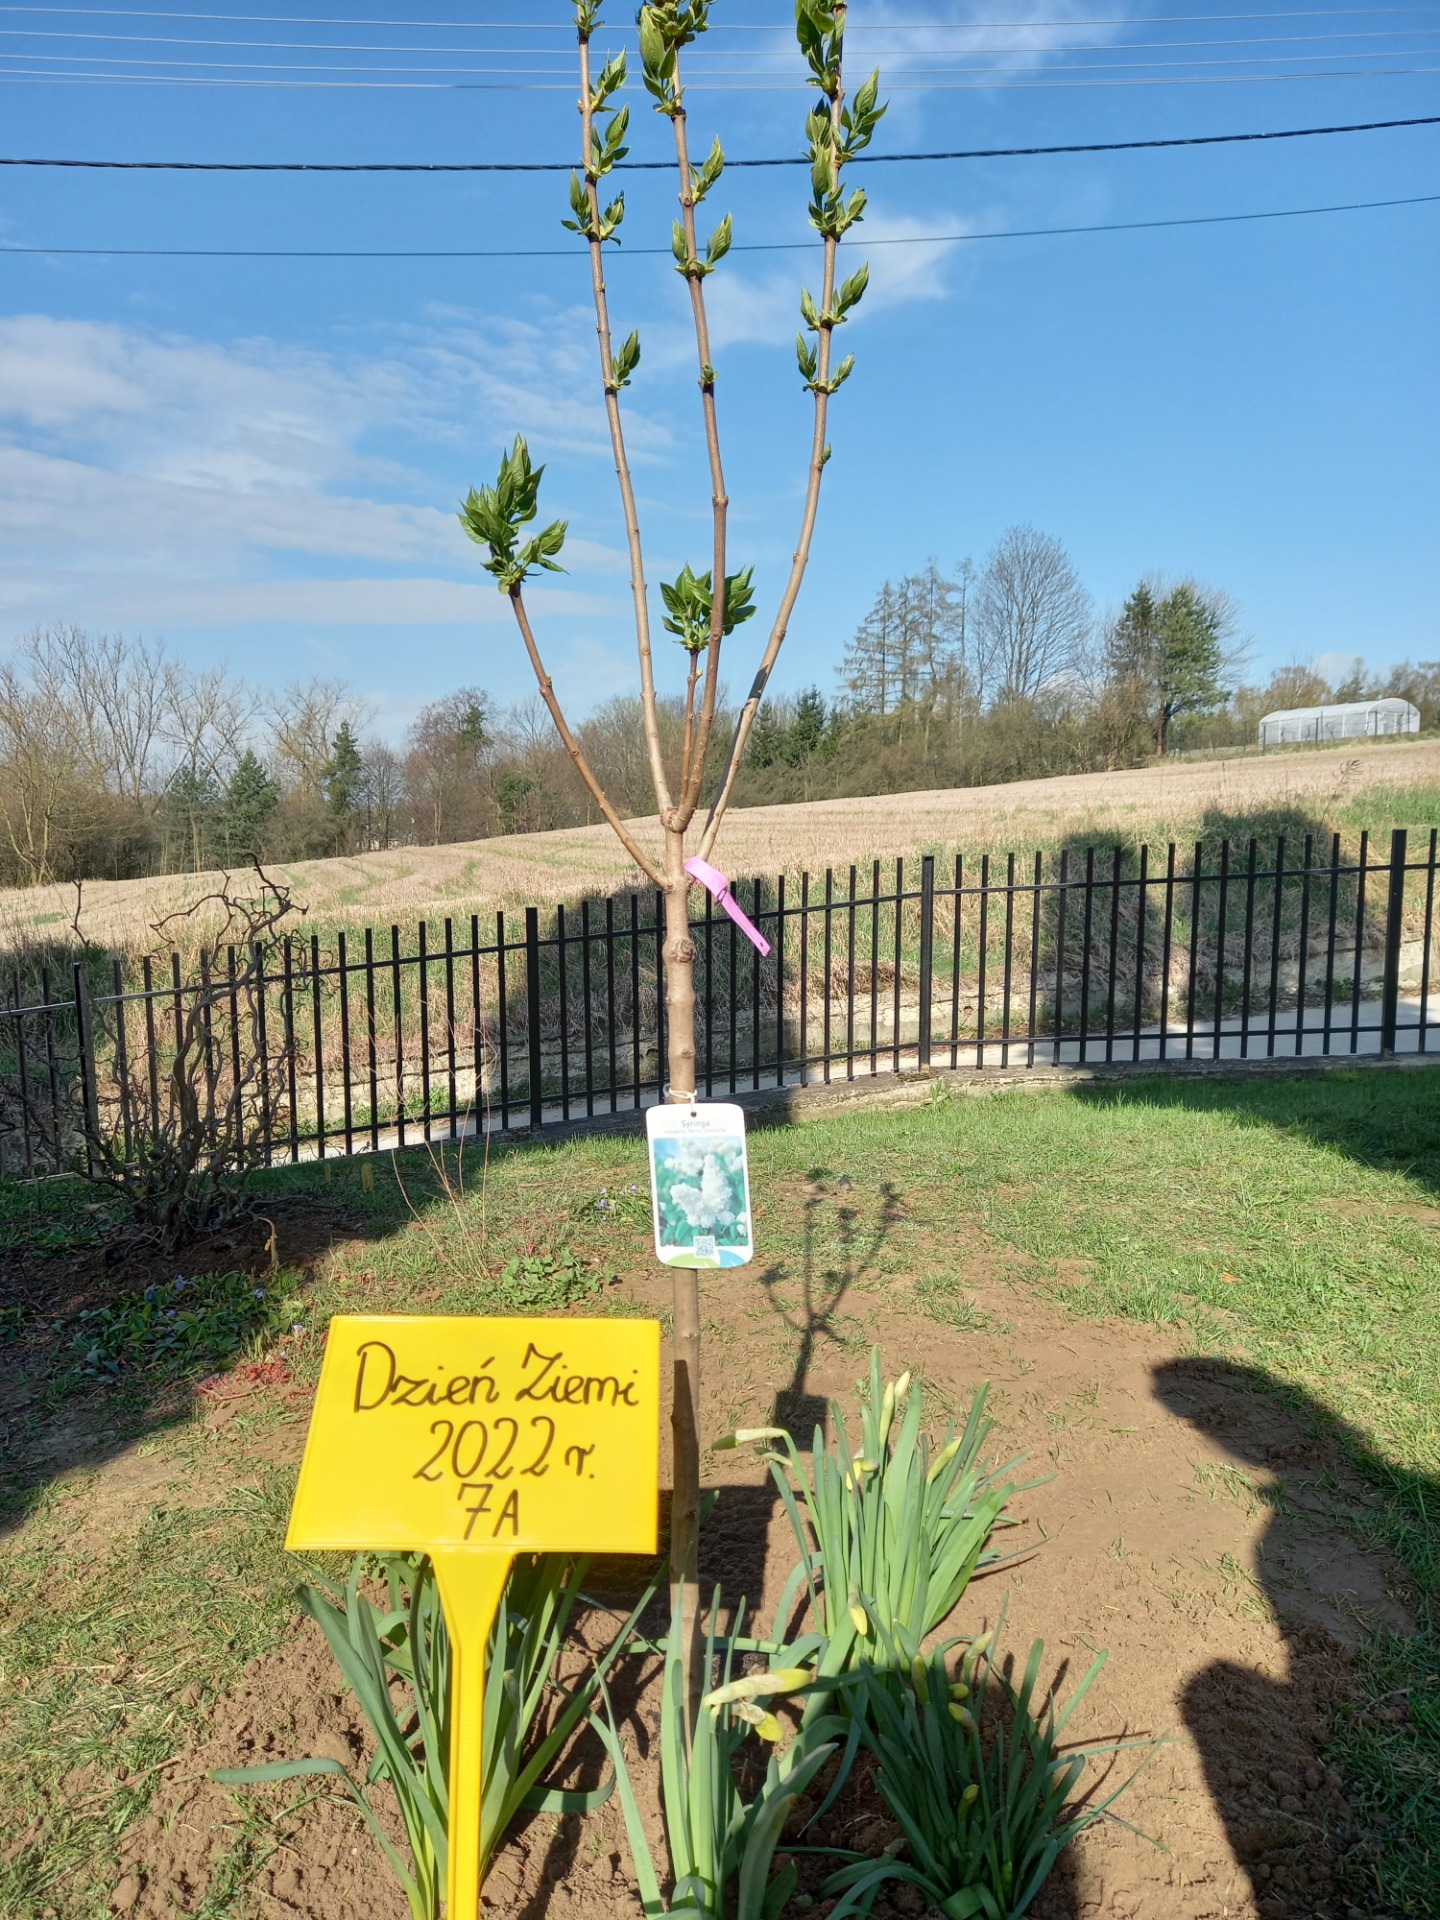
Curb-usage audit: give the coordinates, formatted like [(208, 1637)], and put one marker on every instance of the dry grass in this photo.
[(1174, 800)]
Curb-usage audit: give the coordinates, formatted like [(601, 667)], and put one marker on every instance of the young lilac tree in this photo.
[(701, 609)]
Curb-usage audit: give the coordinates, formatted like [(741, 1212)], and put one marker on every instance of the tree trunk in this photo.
[(679, 953)]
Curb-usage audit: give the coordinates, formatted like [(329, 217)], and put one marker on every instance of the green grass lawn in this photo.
[(1292, 1225)]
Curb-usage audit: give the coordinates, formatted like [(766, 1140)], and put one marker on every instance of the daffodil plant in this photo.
[(890, 1534)]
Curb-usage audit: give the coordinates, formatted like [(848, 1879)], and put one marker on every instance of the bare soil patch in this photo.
[(1189, 1525), (268, 1234)]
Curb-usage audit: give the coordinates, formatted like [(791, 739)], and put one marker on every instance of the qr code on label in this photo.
[(705, 1245)]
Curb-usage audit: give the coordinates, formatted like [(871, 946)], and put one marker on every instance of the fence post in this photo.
[(532, 1000), (85, 1040), (1394, 913), (927, 957)]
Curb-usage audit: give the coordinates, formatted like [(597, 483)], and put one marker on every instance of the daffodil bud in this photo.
[(746, 1436), (887, 1410), (962, 1716), (757, 1686), (858, 1614), (920, 1680), (973, 1653)]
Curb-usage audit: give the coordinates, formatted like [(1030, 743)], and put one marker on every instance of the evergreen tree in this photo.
[(344, 774), (1191, 654), (807, 728), (1170, 649), (191, 811), (869, 671), (768, 737), (471, 734), (907, 660), (513, 789), (250, 802)]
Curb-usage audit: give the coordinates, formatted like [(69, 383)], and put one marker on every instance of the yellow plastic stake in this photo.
[(474, 1439), (470, 1588)]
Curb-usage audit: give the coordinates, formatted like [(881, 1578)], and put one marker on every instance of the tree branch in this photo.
[(574, 749), (617, 442), (696, 749), (689, 739), (746, 718)]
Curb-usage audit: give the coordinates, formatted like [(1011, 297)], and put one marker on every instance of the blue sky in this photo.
[(260, 459)]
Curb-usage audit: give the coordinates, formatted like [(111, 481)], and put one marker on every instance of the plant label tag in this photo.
[(474, 1439), (700, 1185)]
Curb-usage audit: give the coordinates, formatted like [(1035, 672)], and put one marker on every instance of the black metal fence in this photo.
[(364, 1041)]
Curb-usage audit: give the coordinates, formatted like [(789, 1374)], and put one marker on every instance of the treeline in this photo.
[(117, 760), (973, 677)]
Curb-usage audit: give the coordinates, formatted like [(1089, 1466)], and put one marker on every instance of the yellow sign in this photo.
[(474, 1439)]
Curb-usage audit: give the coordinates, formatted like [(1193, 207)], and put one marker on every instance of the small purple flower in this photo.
[(149, 1293)]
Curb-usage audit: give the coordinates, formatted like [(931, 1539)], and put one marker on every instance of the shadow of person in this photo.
[(1261, 1734)]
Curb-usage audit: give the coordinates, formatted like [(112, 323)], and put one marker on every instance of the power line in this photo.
[(759, 246), (666, 166), (892, 73), (894, 77), (44, 76), (531, 26), (358, 46)]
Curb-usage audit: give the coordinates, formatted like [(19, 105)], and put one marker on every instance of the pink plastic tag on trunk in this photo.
[(715, 882)]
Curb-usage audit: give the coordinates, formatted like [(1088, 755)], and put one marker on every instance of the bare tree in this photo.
[(303, 722), (208, 719), (382, 796), (46, 798), (1031, 615), (117, 694), (445, 762), (701, 608)]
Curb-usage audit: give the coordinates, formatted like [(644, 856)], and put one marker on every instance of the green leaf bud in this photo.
[(718, 244)]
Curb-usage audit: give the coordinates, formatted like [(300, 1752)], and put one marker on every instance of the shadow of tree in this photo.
[(822, 1289), (1252, 914)]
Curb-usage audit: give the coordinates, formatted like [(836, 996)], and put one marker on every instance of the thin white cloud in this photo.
[(968, 35), (900, 273), (764, 308), (79, 514), (379, 602), (158, 478)]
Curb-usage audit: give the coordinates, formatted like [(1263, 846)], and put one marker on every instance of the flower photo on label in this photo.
[(700, 1185)]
